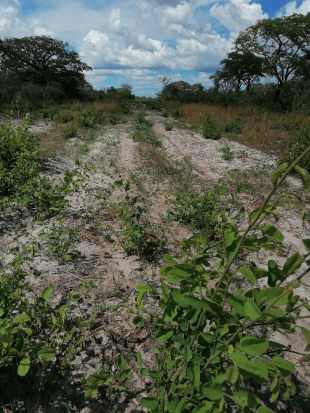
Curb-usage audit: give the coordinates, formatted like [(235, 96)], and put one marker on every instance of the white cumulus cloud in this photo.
[(11, 24), (238, 14), (291, 8)]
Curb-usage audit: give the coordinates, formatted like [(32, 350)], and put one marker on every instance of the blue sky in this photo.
[(134, 41)]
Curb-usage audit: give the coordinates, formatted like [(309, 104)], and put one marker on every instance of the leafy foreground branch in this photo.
[(209, 340), (211, 347)]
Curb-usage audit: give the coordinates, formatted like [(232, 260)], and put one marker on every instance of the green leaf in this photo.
[(23, 367), (254, 346), (121, 363), (272, 232), (138, 321), (252, 310), (194, 373), (125, 374), (229, 236), (285, 367), (139, 359), (306, 333), (253, 243), (178, 297), (19, 344), (292, 264), (47, 293), (213, 391), (244, 364), (91, 391), (307, 243), (142, 288), (248, 274), (179, 273), (274, 273), (193, 302), (38, 223), (47, 353), (273, 293), (164, 334), (232, 249), (99, 378), (254, 214), (245, 399), (238, 304), (149, 402), (264, 409), (170, 313), (305, 178), (279, 171)]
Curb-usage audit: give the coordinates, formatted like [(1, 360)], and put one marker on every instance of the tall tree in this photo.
[(281, 43), (242, 69), (42, 60)]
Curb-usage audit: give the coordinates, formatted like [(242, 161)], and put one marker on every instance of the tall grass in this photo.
[(261, 129)]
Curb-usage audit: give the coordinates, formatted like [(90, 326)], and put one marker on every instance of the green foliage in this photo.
[(65, 116), (168, 126), (233, 126), (18, 158), (177, 113), (228, 155), (88, 118), (298, 144), (143, 131), (210, 127), (69, 132), (137, 235), (211, 347), (51, 113), (201, 211), (115, 119), (33, 334)]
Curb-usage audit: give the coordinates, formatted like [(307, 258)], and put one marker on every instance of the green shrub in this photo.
[(18, 158), (165, 114), (298, 144), (141, 120), (233, 127), (228, 155), (199, 210), (168, 126), (177, 113), (51, 113), (69, 132), (210, 127), (88, 118), (115, 119)]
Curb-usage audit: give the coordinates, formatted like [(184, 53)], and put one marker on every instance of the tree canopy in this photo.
[(282, 43), (42, 60)]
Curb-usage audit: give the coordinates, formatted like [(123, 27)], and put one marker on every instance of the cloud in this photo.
[(202, 78), (11, 24), (237, 15), (291, 8)]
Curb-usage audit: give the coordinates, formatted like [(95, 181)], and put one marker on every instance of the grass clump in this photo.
[(228, 155), (143, 131), (198, 210), (233, 126), (168, 126), (210, 127)]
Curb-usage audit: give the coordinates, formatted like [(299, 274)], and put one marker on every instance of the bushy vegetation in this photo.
[(210, 127), (299, 142)]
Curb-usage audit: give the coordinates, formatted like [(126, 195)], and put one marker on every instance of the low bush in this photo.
[(298, 144), (18, 158), (177, 113), (168, 126), (69, 132), (199, 210), (210, 127), (233, 127), (141, 120), (228, 155)]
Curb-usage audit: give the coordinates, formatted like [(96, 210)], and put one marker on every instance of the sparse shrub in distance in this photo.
[(177, 113), (114, 119), (233, 126), (165, 114), (298, 144), (210, 127), (88, 118), (50, 113), (146, 135), (168, 126), (69, 132), (141, 120)]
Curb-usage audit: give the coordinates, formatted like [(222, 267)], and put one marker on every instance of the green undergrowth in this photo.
[(143, 131), (201, 210)]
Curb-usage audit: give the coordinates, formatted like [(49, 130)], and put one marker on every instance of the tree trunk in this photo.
[(277, 94)]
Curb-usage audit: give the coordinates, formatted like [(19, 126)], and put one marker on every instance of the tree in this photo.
[(165, 79), (281, 43), (42, 60), (243, 69)]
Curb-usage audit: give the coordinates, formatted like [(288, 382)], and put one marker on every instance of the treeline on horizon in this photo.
[(269, 66)]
